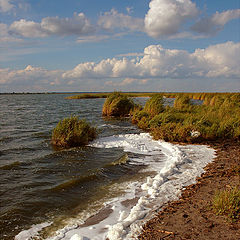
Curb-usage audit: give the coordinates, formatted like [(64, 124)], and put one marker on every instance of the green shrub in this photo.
[(227, 202), (117, 105), (73, 132), (154, 105)]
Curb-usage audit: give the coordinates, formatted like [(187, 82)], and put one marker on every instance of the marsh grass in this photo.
[(117, 105), (217, 118), (182, 101), (73, 132), (154, 105), (227, 202), (236, 170), (105, 95)]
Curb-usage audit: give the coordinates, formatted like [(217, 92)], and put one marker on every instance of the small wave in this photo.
[(122, 160), (158, 189), (74, 182), (32, 232), (11, 166), (6, 139), (17, 149), (117, 126), (136, 143)]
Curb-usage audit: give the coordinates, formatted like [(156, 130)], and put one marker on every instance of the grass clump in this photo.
[(117, 105), (227, 202), (181, 102), (73, 132), (154, 105), (217, 119)]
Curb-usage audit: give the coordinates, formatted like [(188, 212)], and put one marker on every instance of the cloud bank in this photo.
[(30, 78), (170, 19), (218, 62)]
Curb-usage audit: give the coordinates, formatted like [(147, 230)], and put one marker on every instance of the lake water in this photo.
[(48, 194)]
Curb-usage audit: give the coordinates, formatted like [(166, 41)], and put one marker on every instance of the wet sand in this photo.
[(191, 217)]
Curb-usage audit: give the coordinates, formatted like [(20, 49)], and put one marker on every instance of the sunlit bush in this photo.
[(73, 132), (154, 105), (181, 102), (218, 118), (117, 105)]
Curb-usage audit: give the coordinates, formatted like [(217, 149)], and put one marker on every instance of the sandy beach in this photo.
[(191, 217)]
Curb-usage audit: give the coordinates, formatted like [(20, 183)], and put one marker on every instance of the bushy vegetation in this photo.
[(73, 132), (117, 105), (154, 105), (227, 202), (181, 102), (217, 118)]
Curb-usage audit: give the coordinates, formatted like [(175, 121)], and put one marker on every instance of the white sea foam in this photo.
[(175, 165), (32, 232)]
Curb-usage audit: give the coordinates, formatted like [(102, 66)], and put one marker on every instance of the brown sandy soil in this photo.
[(191, 217)]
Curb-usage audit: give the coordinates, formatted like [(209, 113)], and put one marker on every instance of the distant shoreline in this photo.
[(95, 93), (26, 93)]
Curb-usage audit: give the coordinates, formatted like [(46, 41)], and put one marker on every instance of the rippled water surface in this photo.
[(38, 183), (47, 193)]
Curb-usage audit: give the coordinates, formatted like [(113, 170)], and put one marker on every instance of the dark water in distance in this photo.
[(38, 183)]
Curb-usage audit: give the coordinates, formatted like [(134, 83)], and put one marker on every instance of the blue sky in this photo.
[(131, 45)]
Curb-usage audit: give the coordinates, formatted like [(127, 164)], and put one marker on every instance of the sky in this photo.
[(123, 45)]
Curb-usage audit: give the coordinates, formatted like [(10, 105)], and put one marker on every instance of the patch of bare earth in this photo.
[(191, 217)]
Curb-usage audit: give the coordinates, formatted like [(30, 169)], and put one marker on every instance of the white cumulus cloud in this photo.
[(113, 20), (5, 36), (29, 75), (165, 17), (218, 64), (78, 25), (211, 25), (6, 6), (219, 60)]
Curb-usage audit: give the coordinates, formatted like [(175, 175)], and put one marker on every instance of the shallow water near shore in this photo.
[(48, 194)]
